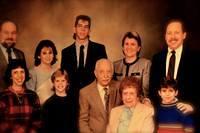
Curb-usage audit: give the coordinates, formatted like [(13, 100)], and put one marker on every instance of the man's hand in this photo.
[(185, 107)]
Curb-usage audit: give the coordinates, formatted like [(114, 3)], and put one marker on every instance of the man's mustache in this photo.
[(9, 39)]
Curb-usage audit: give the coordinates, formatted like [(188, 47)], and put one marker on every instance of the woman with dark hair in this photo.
[(57, 110), (45, 58), (19, 107), (132, 116), (132, 64)]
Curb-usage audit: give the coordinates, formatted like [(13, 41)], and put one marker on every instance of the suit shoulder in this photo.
[(97, 45), (18, 50), (145, 108), (117, 62), (69, 47), (88, 88)]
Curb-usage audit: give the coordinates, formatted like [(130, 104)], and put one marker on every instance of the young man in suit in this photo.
[(8, 36), (185, 68), (97, 99), (79, 59)]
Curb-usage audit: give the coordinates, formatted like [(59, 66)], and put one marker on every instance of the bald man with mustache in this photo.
[(8, 37)]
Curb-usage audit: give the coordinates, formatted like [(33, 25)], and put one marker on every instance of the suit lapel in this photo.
[(98, 102), (2, 58), (74, 56), (163, 63), (89, 54)]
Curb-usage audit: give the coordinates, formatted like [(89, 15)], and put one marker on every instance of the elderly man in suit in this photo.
[(8, 36), (97, 99)]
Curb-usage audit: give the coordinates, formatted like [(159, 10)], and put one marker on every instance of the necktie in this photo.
[(106, 99), (170, 74), (9, 54), (81, 57)]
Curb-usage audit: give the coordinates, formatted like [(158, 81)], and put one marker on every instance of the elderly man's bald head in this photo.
[(103, 71)]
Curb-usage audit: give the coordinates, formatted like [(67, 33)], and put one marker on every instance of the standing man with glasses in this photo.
[(8, 37), (178, 62), (79, 59)]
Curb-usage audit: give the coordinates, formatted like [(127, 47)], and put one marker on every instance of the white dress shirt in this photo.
[(177, 61)]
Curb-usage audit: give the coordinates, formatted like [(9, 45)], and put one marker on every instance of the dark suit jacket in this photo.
[(69, 63), (93, 117), (3, 65), (186, 75)]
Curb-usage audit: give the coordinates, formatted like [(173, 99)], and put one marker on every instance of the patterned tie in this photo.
[(170, 74), (106, 99), (81, 58), (8, 50)]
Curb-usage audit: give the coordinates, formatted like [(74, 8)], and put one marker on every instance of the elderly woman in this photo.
[(132, 64), (133, 116)]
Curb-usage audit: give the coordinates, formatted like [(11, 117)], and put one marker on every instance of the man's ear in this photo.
[(95, 73)]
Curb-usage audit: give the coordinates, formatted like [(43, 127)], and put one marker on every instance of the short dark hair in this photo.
[(58, 73), (166, 83), (40, 46), (133, 35), (172, 20), (131, 82), (81, 17), (15, 63), (6, 21)]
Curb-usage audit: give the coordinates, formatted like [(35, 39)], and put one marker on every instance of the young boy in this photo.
[(168, 117), (57, 109)]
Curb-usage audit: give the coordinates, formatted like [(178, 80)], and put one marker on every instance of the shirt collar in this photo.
[(178, 50), (101, 88)]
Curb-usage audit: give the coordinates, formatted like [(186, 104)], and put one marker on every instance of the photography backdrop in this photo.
[(111, 19)]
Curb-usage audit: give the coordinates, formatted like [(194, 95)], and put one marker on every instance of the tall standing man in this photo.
[(179, 63), (8, 36), (79, 59)]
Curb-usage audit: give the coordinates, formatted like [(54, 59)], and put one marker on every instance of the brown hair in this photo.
[(130, 82)]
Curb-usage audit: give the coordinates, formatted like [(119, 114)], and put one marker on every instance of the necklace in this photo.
[(18, 95)]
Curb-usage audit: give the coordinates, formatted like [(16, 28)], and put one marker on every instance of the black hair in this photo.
[(82, 17), (40, 46), (165, 83), (172, 20), (15, 63)]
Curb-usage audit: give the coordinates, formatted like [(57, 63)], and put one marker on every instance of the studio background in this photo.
[(54, 20)]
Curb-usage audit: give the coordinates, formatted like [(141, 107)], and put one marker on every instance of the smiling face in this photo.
[(129, 96), (82, 30), (174, 35), (103, 72), (130, 47), (60, 84), (168, 95), (8, 34), (18, 77), (46, 55)]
